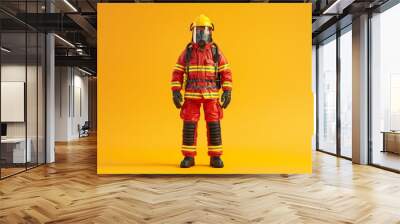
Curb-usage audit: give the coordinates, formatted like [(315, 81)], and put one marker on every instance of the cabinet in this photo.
[(391, 142)]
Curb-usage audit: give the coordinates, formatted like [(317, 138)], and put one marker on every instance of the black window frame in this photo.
[(30, 29)]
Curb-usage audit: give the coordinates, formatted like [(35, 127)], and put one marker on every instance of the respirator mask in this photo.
[(202, 35)]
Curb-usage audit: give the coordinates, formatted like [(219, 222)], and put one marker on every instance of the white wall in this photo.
[(16, 72), (83, 82), (10, 73), (71, 102), (34, 126), (62, 81)]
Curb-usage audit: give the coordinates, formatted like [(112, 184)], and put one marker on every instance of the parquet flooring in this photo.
[(70, 191)]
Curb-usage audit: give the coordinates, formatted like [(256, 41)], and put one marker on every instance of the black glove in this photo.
[(226, 98), (177, 98)]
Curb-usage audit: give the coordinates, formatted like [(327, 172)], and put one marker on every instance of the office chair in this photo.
[(84, 130)]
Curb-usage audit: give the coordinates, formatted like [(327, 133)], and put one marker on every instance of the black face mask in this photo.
[(202, 43), (202, 38)]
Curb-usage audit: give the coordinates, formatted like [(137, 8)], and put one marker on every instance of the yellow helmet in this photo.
[(202, 20)]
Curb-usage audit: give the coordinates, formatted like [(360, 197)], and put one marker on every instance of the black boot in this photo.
[(216, 162), (187, 162)]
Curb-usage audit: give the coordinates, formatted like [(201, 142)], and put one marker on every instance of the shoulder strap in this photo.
[(216, 56), (187, 57), (215, 53)]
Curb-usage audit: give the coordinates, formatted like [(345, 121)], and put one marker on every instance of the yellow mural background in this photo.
[(268, 126)]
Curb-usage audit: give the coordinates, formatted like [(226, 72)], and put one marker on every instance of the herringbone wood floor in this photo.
[(69, 191)]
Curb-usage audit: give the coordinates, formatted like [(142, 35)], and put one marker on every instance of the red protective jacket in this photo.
[(200, 83)]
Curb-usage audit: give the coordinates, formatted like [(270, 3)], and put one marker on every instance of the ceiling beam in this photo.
[(84, 24), (337, 6), (83, 61)]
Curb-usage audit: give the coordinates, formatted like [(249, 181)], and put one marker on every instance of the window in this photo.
[(385, 89), (327, 95), (346, 93), (22, 78)]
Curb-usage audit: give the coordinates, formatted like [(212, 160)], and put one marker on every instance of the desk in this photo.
[(13, 150), (391, 141)]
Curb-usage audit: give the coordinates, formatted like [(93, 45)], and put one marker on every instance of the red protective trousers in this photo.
[(190, 113)]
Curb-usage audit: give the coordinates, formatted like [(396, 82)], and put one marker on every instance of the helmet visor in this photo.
[(201, 34)]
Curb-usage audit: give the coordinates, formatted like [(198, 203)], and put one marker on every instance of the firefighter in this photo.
[(201, 71)]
